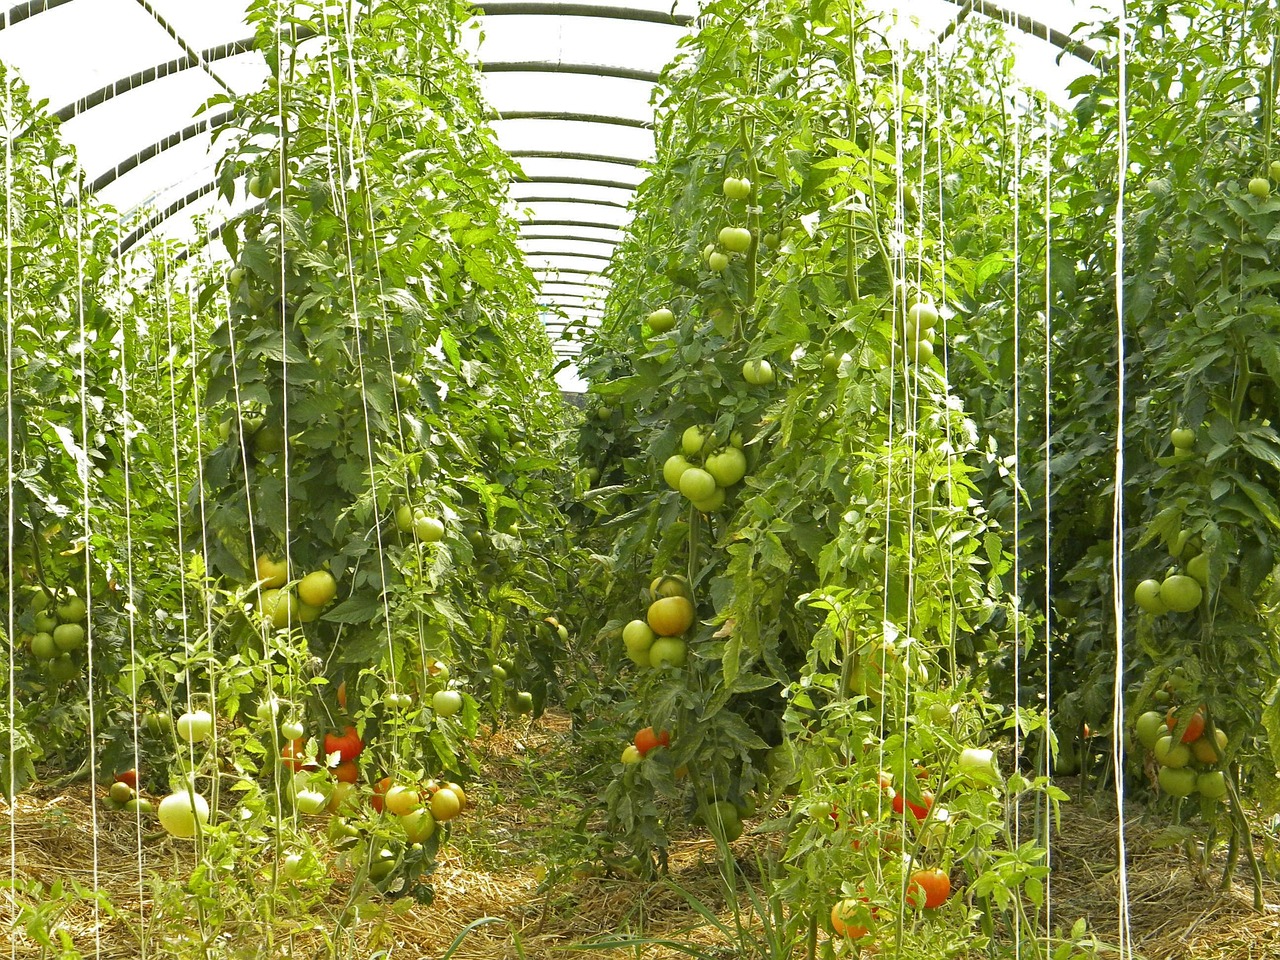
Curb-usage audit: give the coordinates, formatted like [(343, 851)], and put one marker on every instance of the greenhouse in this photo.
[(537, 479)]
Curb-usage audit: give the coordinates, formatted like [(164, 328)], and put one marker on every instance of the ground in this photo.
[(497, 868)]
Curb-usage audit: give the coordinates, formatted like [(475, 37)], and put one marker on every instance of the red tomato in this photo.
[(1195, 728), (346, 772), (347, 745), (379, 792), (929, 888), (128, 776), (919, 810), (647, 740), (293, 753)]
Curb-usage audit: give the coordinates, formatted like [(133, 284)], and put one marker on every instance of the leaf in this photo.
[(365, 610)]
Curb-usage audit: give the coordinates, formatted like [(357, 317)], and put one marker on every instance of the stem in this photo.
[(753, 218), (1240, 828)]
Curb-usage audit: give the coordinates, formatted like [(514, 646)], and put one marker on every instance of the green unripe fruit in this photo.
[(697, 484), (1260, 187), (673, 469), (1177, 781), (661, 320), (668, 652), (1180, 593), (737, 239), (692, 441)]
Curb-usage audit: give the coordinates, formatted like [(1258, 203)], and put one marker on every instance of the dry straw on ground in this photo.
[(495, 872)]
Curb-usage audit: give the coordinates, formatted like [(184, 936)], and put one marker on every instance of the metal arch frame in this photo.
[(160, 146), (579, 182), (137, 233), (631, 162), (567, 256), (575, 272), (593, 11), (143, 77), (566, 237), (572, 116), (20, 12), (581, 285), (614, 204), (583, 69), (24, 11), (571, 223)]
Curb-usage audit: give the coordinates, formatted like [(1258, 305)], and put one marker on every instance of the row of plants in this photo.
[(780, 444), (287, 529), (822, 398)]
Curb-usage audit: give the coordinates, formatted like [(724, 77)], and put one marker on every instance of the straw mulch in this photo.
[(495, 869)]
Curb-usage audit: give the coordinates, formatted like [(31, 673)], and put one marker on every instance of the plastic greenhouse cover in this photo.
[(581, 169)]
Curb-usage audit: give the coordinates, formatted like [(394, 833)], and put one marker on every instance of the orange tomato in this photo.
[(647, 740), (1195, 727), (346, 772), (379, 793), (929, 888), (844, 916)]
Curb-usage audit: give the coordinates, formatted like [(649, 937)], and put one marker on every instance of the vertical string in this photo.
[(130, 608), (83, 468), (1117, 528), (11, 798), (1048, 488)]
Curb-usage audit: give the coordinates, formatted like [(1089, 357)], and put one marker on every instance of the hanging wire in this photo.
[(82, 467), (11, 797), (130, 606), (1117, 528), (1048, 491)]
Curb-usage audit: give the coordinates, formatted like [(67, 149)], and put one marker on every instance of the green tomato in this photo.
[(1171, 754), (72, 610), (292, 729), (737, 188), (446, 703), (727, 467), (758, 373), (1150, 728), (668, 652), (673, 468), (718, 262), (697, 484), (195, 726), (1212, 784), (1260, 187), (735, 239), (1181, 593), (692, 441), (68, 636), (1198, 568), (1147, 596), (661, 320), (428, 529), (1177, 781), (43, 646)]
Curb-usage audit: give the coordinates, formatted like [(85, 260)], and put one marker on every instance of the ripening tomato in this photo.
[(293, 756), (646, 740), (346, 772), (1195, 726), (379, 793), (844, 915), (347, 745), (128, 776), (919, 810), (929, 888)]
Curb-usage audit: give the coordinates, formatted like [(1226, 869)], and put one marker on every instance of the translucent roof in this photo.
[(569, 84)]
